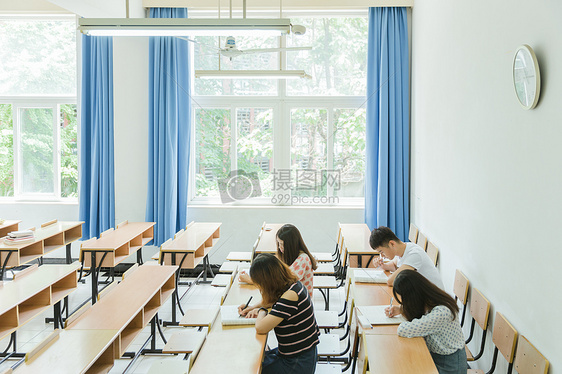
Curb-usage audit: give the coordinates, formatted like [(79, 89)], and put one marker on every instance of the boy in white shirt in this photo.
[(403, 256)]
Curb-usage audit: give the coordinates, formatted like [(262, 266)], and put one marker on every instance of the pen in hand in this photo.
[(248, 303), (390, 307)]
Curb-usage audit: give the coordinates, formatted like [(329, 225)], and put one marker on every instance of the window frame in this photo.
[(34, 102), (41, 101), (282, 106)]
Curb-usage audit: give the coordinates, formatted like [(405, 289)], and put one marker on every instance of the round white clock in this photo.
[(526, 77)]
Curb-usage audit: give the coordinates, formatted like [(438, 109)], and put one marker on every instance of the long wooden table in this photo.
[(356, 239), (232, 349), (47, 239), (382, 349), (74, 351), (102, 334), (192, 247), (25, 298), (114, 247), (268, 241), (390, 353)]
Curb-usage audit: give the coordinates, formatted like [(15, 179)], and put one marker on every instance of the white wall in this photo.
[(486, 175), (130, 90)]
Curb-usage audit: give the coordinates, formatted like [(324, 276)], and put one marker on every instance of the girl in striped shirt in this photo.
[(291, 316)]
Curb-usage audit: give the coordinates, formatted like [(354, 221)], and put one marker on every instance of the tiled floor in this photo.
[(198, 296)]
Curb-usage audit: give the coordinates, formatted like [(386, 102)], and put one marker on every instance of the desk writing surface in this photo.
[(371, 294), (17, 291), (73, 352), (243, 346), (115, 310), (240, 293), (119, 237), (382, 329), (390, 353), (268, 241), (231, 350), (44, 232), (193, 237), (356, 238)]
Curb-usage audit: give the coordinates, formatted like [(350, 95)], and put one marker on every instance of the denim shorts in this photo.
[(455, 363), (303, 363)]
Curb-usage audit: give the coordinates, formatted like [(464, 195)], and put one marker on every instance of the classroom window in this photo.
[(309, 151), (337, 61), (207, 57), (302, 138), (38, 114)]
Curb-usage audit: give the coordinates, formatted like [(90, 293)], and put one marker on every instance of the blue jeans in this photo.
[(455, 363), (303, 363)]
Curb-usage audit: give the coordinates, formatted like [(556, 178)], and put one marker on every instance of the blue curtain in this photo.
[(387, 148), (169, 111), (97, 192)]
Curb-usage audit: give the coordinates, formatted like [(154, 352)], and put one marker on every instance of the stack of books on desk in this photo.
[(19, 237)]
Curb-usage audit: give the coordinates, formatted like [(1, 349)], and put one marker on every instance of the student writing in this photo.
[(433, 314), (403, 255), (291, 317), (293, 252)]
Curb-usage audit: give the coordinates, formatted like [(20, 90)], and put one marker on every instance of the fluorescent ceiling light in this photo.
[(251, 74), (183, 26)]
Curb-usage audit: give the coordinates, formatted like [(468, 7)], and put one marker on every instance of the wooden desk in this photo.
[(130, 306), (8, 226), (244, 345), (103, 332), (114, 247), (356, 239), (193, 246), (388, 353), (75, 351), (268, 241), (47, 239), (366, 294), (23, 299), (384, 349)]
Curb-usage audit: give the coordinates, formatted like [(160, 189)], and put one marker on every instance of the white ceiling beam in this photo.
[(30, 6), (102, 8)]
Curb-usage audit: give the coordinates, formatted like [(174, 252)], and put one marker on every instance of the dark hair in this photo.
[(293, 245), (271, 276), (381, 236), (418, 295)]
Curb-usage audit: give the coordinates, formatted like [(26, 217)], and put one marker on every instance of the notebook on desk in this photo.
[(376, 316), (369, 276), (230, 316)]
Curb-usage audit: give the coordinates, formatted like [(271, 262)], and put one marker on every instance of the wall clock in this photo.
[(526, 77)]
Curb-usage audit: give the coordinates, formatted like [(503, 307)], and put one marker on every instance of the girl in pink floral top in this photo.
[(293, 252)]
